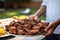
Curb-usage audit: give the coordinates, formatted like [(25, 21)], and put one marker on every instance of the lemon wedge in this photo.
[(2, 30), (23, 17)]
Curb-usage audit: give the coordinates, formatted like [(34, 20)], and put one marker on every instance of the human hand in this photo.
[(33, 17), (50, 29)]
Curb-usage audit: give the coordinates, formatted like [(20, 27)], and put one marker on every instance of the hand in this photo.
[(33, 17), (49, 30)]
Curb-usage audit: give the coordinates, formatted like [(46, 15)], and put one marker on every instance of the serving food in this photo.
[(26, 27)]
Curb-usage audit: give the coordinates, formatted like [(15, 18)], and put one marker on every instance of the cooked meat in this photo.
[(26, 27)]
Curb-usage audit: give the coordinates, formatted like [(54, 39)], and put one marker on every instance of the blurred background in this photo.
[(20, 8)]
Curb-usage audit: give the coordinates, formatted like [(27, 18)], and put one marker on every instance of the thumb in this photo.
[(36, 17), (46, 29)]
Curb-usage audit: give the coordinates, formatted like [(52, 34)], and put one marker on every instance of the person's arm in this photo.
[(49, 30), (54, 24), (41, 11)]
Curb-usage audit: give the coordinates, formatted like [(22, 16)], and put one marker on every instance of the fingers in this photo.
[(33, 17), (48, 27), (48, 33), (36, 18)]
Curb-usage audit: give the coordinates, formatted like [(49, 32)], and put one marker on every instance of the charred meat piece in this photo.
[(20, 32), (34, 31)]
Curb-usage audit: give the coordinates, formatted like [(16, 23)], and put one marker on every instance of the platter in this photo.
[(3, 23), (6, 35)]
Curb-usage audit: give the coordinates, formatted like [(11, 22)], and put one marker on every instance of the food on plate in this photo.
[(2, 31), (20, 17), (26, 27), (15, 17), (23, 16)]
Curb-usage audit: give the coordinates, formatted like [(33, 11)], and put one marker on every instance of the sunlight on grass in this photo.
[(11, 13)]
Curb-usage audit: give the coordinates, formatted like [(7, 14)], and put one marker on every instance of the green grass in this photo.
[(16, 12)]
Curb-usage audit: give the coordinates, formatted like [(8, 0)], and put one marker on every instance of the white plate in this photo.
[(3, 23), (6, 35), (39, 37)]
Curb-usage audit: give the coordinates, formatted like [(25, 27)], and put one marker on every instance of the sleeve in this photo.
[(44, 2)]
